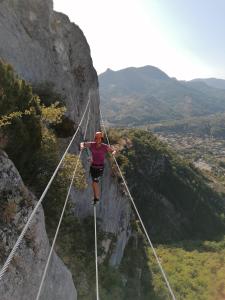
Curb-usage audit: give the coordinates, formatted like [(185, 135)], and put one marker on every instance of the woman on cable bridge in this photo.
[(98, 150)]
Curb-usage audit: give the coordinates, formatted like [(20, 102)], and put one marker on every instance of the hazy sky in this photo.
[(184, 38)]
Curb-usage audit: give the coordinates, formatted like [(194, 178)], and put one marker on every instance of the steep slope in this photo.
[(51, 53), (23, 279), (137, 96), (37, 154), (174, 199)]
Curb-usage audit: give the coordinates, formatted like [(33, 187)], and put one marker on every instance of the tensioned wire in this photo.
[(96, 255), (61, 217), (136, 210), (96, 245), (13, 251)]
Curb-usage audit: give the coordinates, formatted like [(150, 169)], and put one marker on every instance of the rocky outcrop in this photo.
[(113, 212), (23, 277), (50, 52)]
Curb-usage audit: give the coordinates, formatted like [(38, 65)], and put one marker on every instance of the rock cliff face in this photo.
[(113, 211), (49, 51), (24, 274)]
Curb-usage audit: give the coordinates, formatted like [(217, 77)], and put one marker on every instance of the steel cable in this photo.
[(13, 251), (136, 210), (61, 217)]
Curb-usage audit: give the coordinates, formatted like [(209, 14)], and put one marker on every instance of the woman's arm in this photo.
[(85, 145), (110, 149)]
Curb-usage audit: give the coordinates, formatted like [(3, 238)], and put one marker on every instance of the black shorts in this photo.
[(96, 173)]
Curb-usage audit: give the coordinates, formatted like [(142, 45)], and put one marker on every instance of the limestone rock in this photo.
[(22, 280), (49, 51), (113, 212)]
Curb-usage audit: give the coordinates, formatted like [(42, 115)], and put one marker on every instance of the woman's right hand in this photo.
[(82, 146)]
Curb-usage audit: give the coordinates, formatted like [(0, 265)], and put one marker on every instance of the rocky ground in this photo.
[(22, 279)]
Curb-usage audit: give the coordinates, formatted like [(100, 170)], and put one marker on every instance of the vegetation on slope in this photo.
[(210, 126), (195, 268), (27, 133), (20, 114), (40, 149), (173, 197), (154, 97), (130, 280)]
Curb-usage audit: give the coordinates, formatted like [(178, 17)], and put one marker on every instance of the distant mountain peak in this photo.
[(140, 95), (147, 71), (109, 70), (212, 82)]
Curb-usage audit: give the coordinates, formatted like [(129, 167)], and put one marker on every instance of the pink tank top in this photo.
[(98, 154)]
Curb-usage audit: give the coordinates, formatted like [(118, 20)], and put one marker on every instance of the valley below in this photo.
[(206, 154), (176, 171)]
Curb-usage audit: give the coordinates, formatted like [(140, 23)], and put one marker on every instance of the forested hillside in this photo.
[(183, 215), (209, 126), (42, 129), (139, 96), (172, 195)]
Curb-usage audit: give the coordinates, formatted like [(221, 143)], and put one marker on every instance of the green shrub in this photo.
[(20, 116), (192, 270)]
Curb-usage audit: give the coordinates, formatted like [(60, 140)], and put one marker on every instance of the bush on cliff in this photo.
[(20, 116), (28, 136)]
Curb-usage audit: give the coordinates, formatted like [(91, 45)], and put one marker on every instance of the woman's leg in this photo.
[(96, 174), (95, 186)]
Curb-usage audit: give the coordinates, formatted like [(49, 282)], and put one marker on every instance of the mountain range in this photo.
[(139, 96), (46, 69)]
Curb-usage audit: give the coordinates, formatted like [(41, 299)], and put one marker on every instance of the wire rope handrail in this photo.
[(136, 210), (13, 251), (61, 216), (96, 255)]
